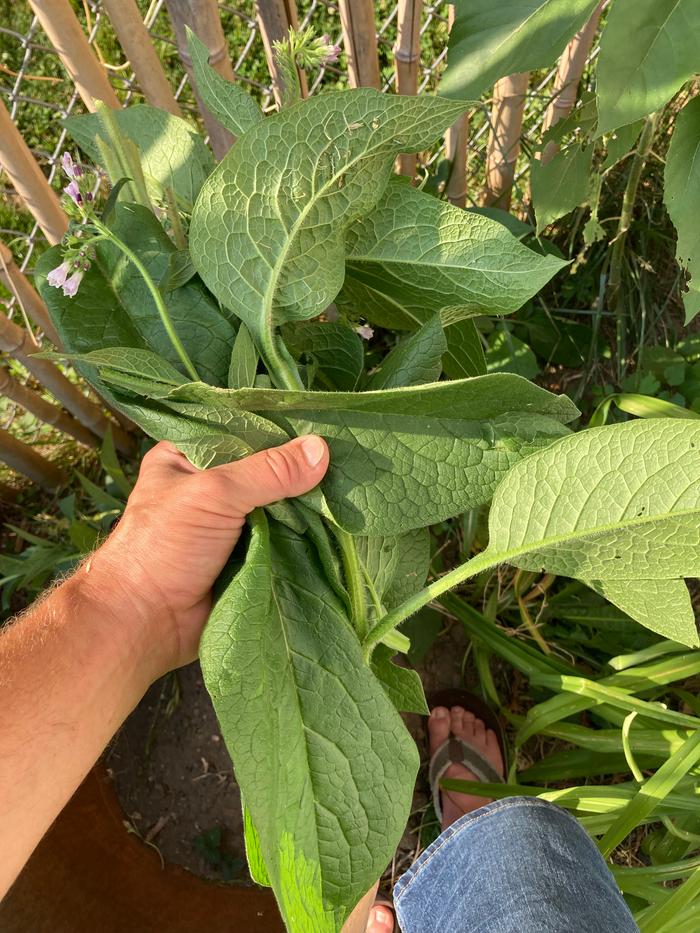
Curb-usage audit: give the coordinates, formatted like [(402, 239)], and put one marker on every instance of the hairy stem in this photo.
[(463, 572), (174, 218), (354, 580), (615, 291), (155, 294), (279, 364)]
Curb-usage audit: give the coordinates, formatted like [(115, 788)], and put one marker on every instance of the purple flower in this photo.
[(331, 52), (70, 288), (73, 191), (58, 276), (69, 166), (365, 331)]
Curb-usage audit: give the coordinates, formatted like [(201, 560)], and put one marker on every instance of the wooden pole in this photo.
[(569, 72), (45, 411), (407, 58), (61, 25), (456, 139), (275, 18), (29, 181), (360, 38), (202, 16), (28, 298), (17, 342), (24, 459), (504, 138), (138, 46)]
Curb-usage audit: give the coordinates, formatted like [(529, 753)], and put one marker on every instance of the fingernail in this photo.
[(314, 450)]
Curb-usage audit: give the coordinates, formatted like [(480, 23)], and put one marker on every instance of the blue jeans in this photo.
[(518, 865)]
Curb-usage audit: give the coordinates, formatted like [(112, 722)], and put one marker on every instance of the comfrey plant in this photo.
[(203, 313)]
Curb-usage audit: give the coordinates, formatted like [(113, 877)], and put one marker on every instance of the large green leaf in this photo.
[(113, 307), (464, 356), (489, 40), (400, 458), (561, 184), (231, 106), (424, 255), (268, 229), (618, 507), (323, 760), (647, 51), (173, 154), (414, 360), (335, 349), (682, 197)]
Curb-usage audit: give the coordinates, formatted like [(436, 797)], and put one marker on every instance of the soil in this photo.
[(174, 779)]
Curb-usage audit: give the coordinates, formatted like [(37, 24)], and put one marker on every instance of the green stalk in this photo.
[(471, 568), (155, 294), (615, 291), (353, 579), (174, 218)]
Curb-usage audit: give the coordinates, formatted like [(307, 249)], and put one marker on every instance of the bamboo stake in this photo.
[(456, 148), (407, 57), (504, 138), (569, 72), (28, 298), (275, 19), (360, 38), (17, 342), (202, 16), (22, 458), (61, 25), (45, 411), (29, 181), (138, 46)]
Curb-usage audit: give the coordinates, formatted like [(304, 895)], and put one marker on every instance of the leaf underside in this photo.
[(325, 764), (268, 229), (617, 507)]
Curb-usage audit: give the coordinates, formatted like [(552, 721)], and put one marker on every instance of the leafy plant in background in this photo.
[(646, 57), (84, 516), (201, 312)]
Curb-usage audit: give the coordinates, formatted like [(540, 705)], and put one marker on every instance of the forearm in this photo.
[(71, 670)]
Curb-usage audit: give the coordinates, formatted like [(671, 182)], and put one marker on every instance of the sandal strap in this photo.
[(456, 751)]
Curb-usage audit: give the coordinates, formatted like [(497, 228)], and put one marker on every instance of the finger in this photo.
[(279, 473), (165, 456)]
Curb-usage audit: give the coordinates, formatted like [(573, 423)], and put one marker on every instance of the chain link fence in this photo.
[(39, 93)]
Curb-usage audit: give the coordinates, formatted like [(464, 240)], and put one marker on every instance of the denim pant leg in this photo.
[(518, 865)]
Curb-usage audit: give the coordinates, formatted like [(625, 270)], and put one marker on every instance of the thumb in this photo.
[(278, 473)]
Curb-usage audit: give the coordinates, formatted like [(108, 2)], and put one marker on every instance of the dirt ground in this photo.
[(174, 779)]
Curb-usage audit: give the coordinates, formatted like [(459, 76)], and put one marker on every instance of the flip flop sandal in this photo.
[(456, 751)]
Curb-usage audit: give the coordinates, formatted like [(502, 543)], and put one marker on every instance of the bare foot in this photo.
[(456, 721), (381, 920)]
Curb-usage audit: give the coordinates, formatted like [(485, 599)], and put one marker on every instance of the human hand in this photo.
[(158, 566)]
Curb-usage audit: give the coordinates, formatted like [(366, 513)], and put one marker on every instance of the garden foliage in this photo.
[(647, 55), (202, 317)]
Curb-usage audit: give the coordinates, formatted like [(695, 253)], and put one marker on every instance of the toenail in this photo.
[(440, 713)]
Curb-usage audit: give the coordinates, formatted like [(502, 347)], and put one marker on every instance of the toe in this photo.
[(456, 717), (479, 731), (438, 727), (380, 920), (467, 731)]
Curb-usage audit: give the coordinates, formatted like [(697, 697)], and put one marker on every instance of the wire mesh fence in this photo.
[(39, 93)]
